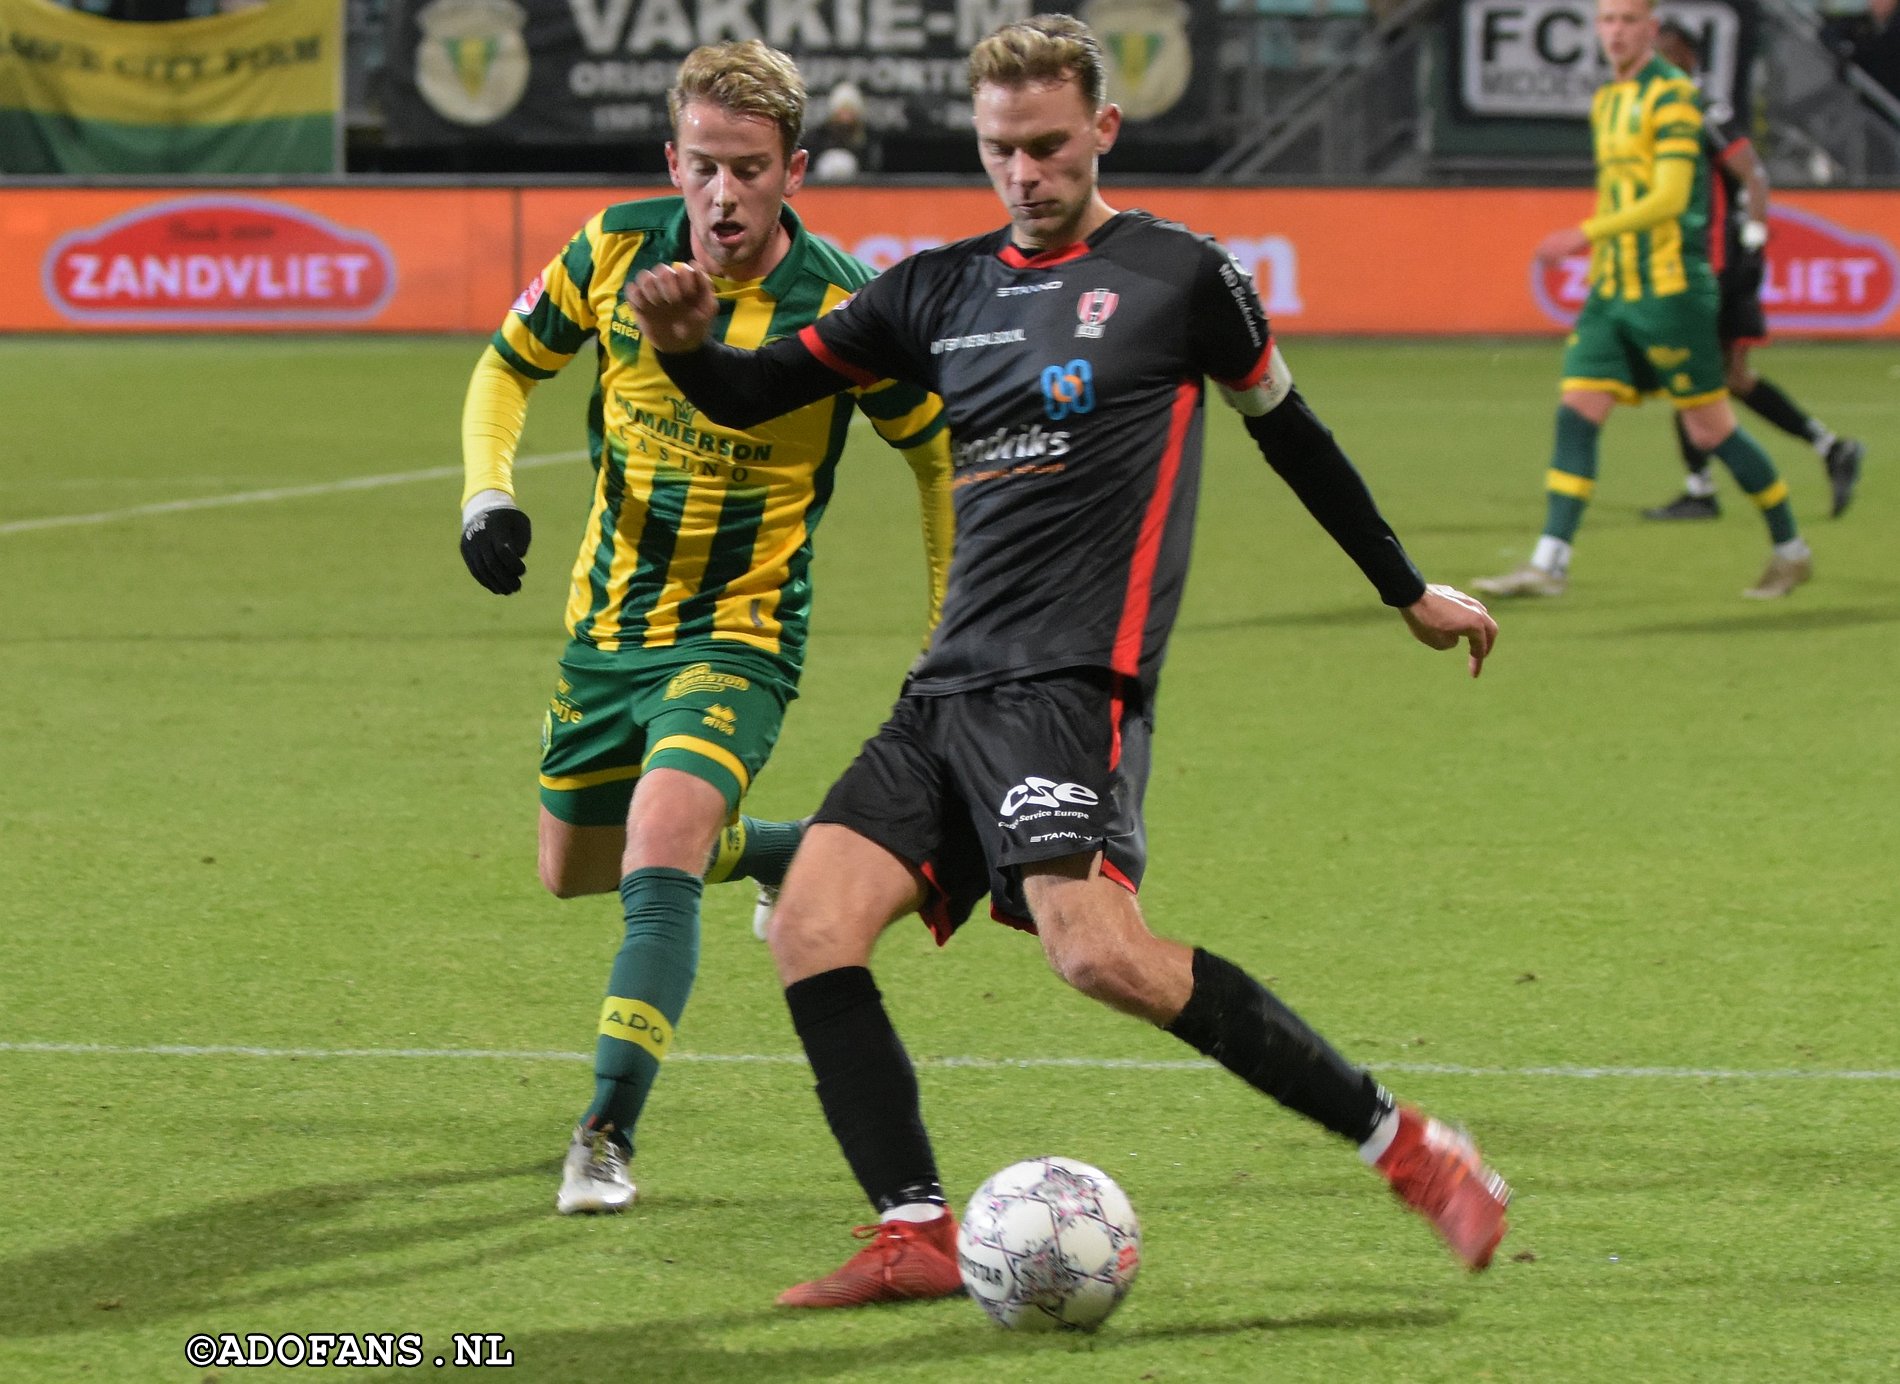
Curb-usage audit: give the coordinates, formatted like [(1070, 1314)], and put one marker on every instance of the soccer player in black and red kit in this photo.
[(1070, 350)]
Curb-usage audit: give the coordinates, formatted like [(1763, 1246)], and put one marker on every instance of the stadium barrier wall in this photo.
[(1359, 261)]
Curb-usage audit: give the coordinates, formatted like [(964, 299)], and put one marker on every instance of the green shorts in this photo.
[(713, 713), (1649, 346)]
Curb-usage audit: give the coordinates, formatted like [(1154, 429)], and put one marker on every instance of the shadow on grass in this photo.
[(234, 1253), (705, 1348), (1752, 619)]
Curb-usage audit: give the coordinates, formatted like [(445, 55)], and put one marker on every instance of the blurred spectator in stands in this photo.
[(842, 148), (1870, 41)]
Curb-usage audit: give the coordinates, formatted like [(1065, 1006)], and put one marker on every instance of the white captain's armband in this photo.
[(1265, 396)]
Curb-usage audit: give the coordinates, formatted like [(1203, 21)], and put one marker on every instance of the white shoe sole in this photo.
[(592, 1203)]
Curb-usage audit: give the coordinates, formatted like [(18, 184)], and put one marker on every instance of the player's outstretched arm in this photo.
[(1302, 450), (1444, 616), (675, 305)]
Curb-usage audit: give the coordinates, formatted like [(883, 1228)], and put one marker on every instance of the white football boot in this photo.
[(594, 1175)]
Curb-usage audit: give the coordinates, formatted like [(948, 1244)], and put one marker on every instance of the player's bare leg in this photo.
[(581, 860), (1095, 938), (577, 860), (842, 892)]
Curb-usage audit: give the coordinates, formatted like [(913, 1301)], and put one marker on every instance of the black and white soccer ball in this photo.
[(1049, 1244)]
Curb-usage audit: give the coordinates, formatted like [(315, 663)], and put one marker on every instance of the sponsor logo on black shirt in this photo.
[(963, 343)]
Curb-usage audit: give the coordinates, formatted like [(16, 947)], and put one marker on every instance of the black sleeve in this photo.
[(741, 389), (1231, 335), (877, 333), (1298, 446)]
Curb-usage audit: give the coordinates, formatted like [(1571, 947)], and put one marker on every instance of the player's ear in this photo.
[(795, 170), (1108, 125), (673, 164)]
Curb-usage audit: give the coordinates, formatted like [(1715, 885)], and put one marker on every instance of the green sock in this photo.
[(1756, 474), (753, 848), (1572, 475), (646, 994)]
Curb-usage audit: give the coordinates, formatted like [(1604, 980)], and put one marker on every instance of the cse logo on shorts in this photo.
[(1067, 389), (1036, 791)]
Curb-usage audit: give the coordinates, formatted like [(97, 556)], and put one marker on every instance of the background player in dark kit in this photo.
[(1070, 349)]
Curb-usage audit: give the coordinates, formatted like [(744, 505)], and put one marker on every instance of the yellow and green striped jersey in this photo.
[(697, 532), (1635, 125)]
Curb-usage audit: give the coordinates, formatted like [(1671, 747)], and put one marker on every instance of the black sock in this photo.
[(1778, 409), (866, 1085), (1232, 1018), (1693, 456)]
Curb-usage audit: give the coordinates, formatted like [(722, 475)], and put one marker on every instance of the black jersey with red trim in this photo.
[(1722, 132), (1073, 386)]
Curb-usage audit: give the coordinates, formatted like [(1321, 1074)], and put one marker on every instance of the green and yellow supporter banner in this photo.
[(255, 91)]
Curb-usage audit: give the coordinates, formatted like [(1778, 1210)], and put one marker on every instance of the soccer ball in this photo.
[(1049, 1244)]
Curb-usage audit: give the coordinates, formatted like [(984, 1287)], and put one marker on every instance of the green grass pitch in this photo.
[(1624, 906)]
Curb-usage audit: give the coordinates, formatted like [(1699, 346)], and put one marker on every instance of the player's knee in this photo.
[(804, 942), (1106, 974), (562, 884), (566, 877)]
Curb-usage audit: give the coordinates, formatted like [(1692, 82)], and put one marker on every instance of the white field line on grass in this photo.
[(262, 497), (953, 1063)]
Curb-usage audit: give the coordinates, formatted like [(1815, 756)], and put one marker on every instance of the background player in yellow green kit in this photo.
[(1649, 325), (691, 591)]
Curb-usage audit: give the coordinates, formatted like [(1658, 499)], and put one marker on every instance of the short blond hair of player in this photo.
[(1048, 48), (747, 78)]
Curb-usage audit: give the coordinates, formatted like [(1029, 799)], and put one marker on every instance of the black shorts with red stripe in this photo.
[(970, 787)]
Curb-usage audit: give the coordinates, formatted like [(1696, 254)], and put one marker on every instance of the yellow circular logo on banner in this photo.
[(472, 63), (1150, 61)]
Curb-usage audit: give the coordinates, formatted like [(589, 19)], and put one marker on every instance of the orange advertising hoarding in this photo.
[(1373, 261)]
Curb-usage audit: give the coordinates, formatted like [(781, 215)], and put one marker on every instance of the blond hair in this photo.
[(1048, 48), (746, 78)]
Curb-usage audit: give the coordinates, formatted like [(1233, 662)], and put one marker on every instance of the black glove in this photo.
[(494, 545)]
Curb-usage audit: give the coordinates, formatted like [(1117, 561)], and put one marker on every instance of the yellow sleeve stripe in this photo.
[(532, 351), (718, 754), (565, 296), (1563, 483), (1678, 113), (1772, 496), (913, 427)]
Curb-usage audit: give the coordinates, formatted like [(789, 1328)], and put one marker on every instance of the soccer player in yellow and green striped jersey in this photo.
[(691, 592), (1649, 325)]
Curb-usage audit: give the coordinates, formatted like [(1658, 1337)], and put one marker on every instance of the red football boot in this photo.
[(904, 1260), (1437, 1171)]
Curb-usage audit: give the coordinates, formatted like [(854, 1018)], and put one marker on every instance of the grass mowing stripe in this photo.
[(952, 1063), (259, 497)]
